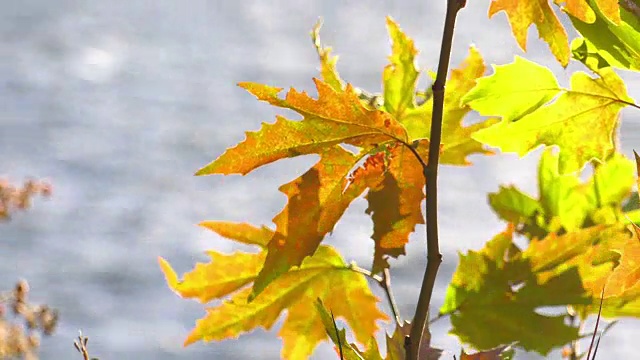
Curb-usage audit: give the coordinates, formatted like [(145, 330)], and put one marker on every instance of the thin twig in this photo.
[(597, 323), (386, 285), (434, 258), (81, 346)]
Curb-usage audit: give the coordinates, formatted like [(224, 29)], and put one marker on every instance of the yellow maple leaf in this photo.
[(457, 143), (522, 14), (324, 275)]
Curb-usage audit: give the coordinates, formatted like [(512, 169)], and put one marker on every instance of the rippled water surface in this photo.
[(119, 102)]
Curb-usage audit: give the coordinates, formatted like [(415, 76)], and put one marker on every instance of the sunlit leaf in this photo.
[(493, 300), (457, 141), (401, 75), (327, 62), (325, 276), (581, 121), (317, 200), (336, 117), (616, 41), (523, 14), (395, 205)]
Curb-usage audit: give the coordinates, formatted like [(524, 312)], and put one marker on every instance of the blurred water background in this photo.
[(119, 102)]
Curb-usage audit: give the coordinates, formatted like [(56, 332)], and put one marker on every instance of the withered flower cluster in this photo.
[(14, 197), (19, 336)]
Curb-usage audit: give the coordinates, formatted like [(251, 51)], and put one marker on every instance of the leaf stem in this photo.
[(434, 258), (385, 283), (438, 317)]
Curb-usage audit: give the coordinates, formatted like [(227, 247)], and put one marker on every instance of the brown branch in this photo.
[(434, 258)]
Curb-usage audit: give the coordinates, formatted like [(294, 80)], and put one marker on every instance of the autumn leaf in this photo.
[(457, 141), (336, 117), (327, 62), (606, 256), (622, 285), (565, 202), (240, 232), (396, 349), (400, 76), (493, 290), (637, 159), (617, 43), (317, 200), (581, 121), (395, 205), (324, 275), (344, 349), (523, 14)]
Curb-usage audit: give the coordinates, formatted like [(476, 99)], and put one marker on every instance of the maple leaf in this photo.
[(588, 11), (317, 200), (562, 196), (324, 275), (344, 349), (565, 202), (400, 76), (513, 90), (514, 206), (522, 14), (395, 205), (606, 256), (616, 42), (622, 285), (240, 232), (457, 141), (327, 62), (493, 290), (581, 121), (396, 349), (336, 117)]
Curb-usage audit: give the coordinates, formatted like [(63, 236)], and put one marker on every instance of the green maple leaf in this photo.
[(565, 200), (614, 43), (581, 120), (400, 76), (562, 196), (324, 275), (493, 290), (514, 206)]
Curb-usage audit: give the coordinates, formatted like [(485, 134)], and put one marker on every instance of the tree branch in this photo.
[(434, 258)]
